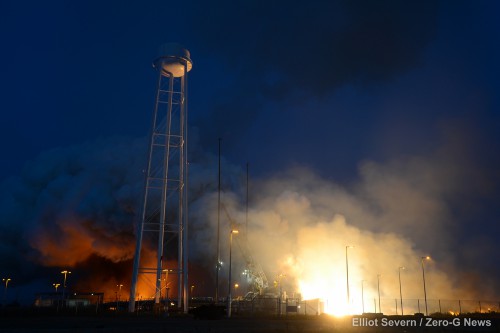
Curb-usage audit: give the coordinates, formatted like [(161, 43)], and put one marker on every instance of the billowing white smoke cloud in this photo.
[(397, 213), (77, 203)]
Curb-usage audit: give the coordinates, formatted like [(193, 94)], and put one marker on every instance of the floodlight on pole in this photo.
[(119, 290), (423, 278), (65, 273), (6, 280), (229, 278)]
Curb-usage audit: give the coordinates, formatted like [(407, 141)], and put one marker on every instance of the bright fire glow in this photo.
[(326, 283), (320, 272), (328, 289)]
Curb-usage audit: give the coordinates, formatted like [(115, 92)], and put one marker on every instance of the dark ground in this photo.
[(151, 324)]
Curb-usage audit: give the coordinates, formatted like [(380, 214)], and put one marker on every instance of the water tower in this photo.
[(163, 219)]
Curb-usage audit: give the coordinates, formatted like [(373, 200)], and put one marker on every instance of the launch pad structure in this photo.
[(163, 215)]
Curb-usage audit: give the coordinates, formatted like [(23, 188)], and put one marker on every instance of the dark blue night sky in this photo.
[(324, 85), (278, 82)]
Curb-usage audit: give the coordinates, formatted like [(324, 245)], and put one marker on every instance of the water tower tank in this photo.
[(173, 60)]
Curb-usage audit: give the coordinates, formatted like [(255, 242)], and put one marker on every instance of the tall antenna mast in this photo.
[(218, 237), (246, 220)]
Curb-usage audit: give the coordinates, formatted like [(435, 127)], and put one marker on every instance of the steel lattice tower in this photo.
[(164, 210)]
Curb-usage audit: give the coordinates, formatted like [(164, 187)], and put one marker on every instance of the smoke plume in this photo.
[(75, 208)]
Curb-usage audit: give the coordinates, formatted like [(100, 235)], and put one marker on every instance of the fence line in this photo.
[(456, 306), (272, 305), (387, 306)]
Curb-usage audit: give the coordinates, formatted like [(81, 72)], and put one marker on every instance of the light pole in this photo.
[(65, 272), (6, 280), (378, 288), (192, 288), (280, 295), (423, 278), (118, 294), (229, 282), (347, 271), (400, 292), (119, 290), (236, 289), (166, 271), (56, 285), (362, 296)]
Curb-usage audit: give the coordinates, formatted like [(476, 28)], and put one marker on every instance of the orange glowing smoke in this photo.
[(104, 262), (73, 240)]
